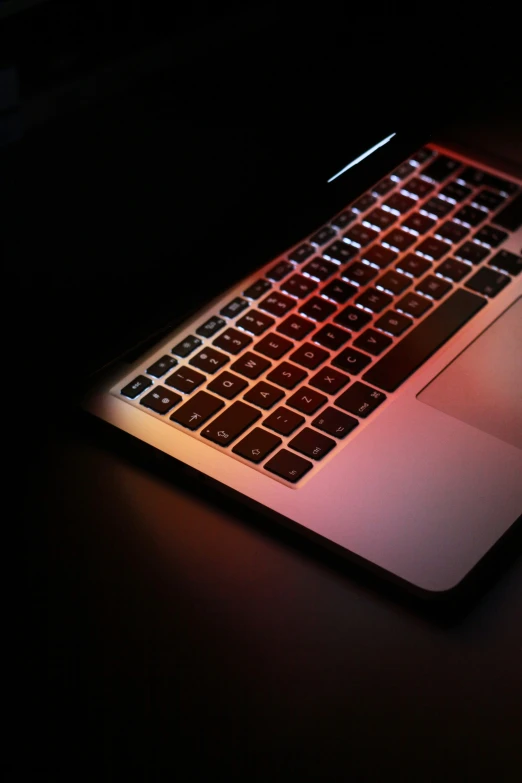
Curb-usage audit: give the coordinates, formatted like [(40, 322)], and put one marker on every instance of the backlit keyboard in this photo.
[(285, 372)]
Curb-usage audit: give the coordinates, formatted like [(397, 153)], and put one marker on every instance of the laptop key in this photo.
[(360, 235), (393, 281), (320, 268), (264, 395), (421, 342), (437, 207), (344, 219), (381, 218), (339, 291), (411, 304), (455, 270), (161, 366), (286, 375), (283, 421), (489, 200), (404, 170), (353, 317), (257, 445), (296, 327), (317, 308), (186, 346), (230, 424), (453, 232), (418, 187), (422, 155), (359, 273), (160, 399), (373, 342), (383, 187), (197, 410), (185, 380), (227, 385), (374, 300), (277, 304), (474, 176), (433, 286), (359, 399), (510, 217), (393, 323), (455, 192), (209, 360), (329, 380), (251, 365), (311, 443), (507, 261), (488, 282), (210, 327), (400, 240), (306, 400), (273, 346), (234, 307), (232, 340), (299, 286), (309, 356), (280, 270), (135, 387), (419, 223), (364, 203), (331, 337), (413, 265), (491, 236), (322, 236), (288, 465), (340, 251), (470, 215), (257, 289), (399, 203), (380, 256), (441, 168), (351, 361), (301, 253), (433, 248), (255, 322), (470, 251), (335, 423)]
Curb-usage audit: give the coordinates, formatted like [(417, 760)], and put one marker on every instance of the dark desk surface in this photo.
[(186, 637), (189, 640)]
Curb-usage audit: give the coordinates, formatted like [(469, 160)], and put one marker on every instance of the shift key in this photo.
[(231, 423)]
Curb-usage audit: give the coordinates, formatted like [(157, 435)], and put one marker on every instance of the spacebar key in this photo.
[(422, 342)]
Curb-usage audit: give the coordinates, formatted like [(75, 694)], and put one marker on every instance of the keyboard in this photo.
[(287, 370)]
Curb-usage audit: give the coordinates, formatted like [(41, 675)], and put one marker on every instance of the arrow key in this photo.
[(257, 445)]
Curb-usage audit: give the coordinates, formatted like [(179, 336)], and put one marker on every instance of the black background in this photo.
[(165, 633)]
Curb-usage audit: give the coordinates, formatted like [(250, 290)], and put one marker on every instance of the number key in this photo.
[(232, 340), (277, 304), (209, 360), (255, 322)]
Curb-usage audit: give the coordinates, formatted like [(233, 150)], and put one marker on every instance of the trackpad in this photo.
[(483, 385)]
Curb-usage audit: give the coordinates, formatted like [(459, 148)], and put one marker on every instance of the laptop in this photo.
[(359, 379)]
